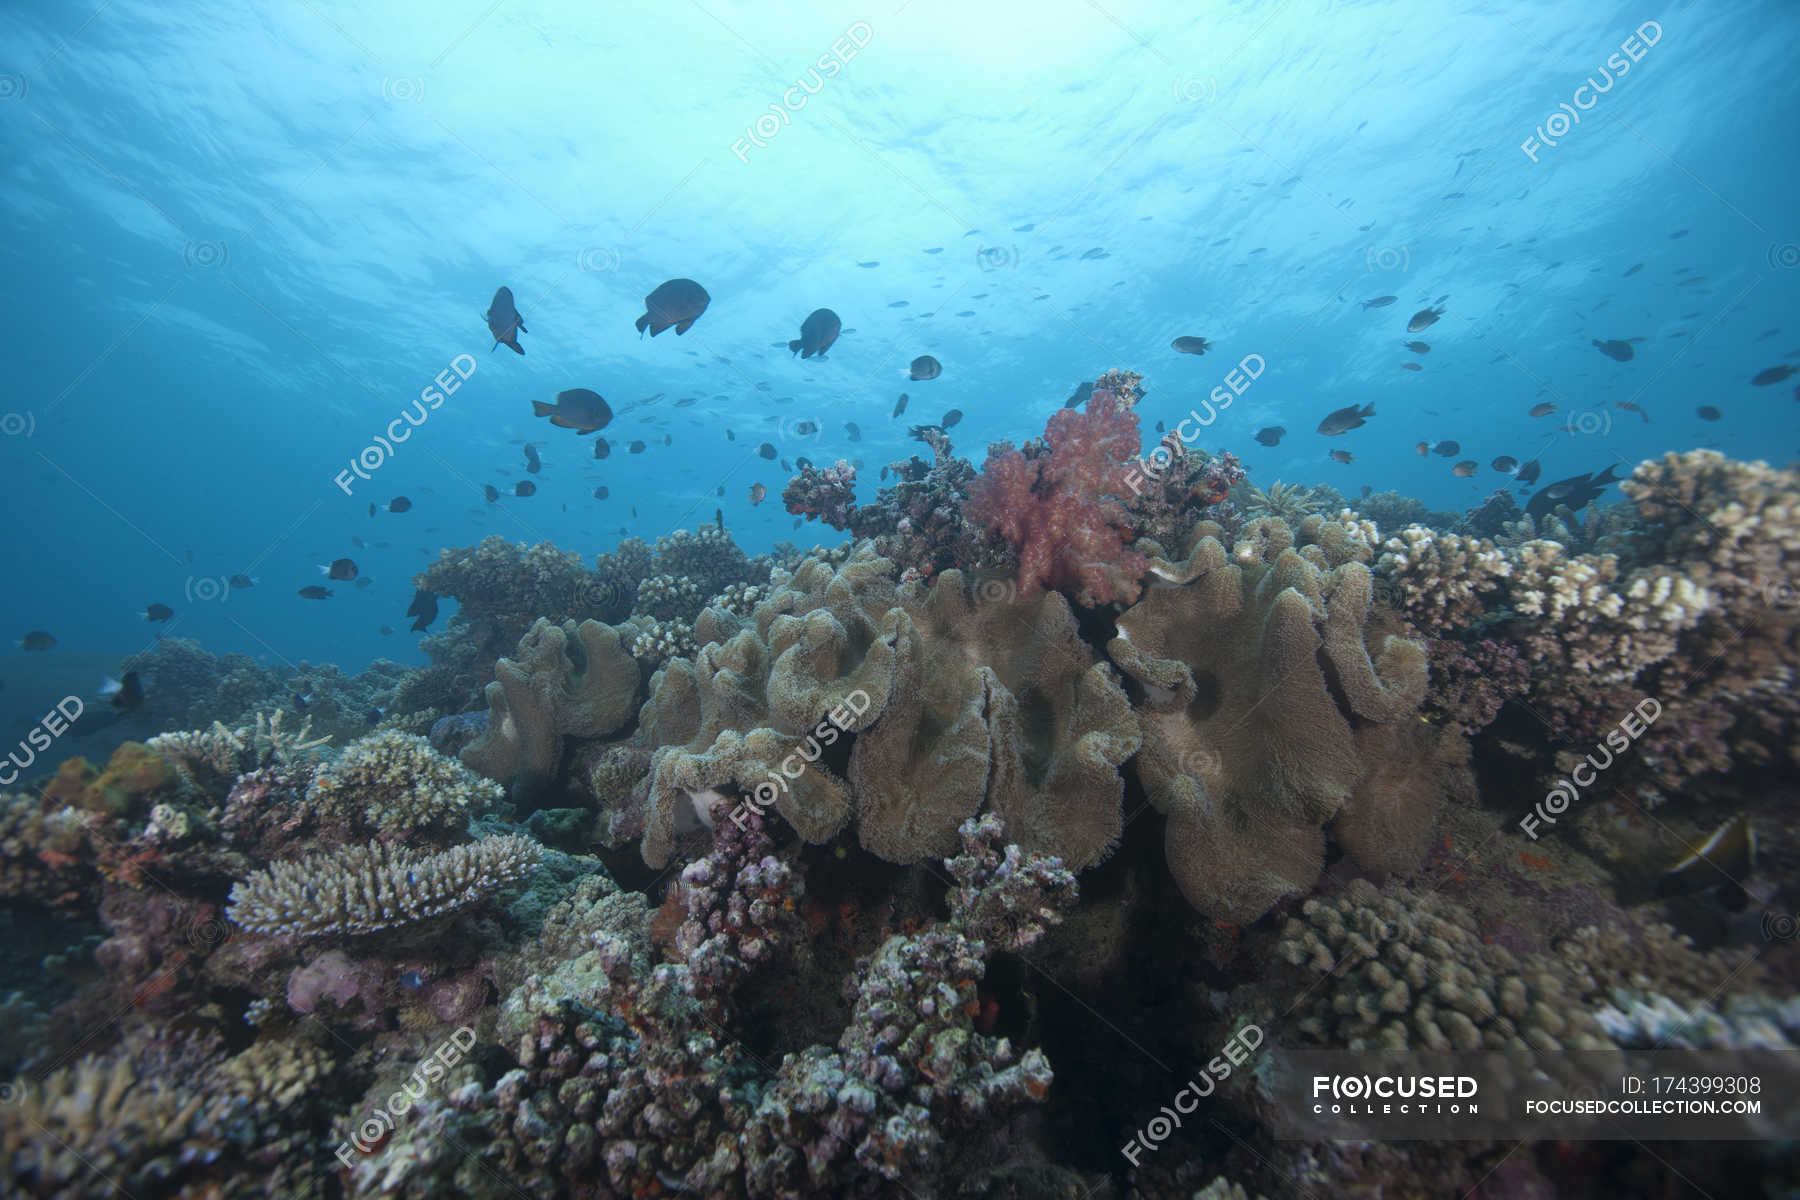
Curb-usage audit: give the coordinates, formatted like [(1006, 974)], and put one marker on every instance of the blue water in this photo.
[(240, 242)]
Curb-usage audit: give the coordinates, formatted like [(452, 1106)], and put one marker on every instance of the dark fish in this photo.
[(635, 448), (719, 491), (685, 402), (315, 592), (371, 509), (757, 492), (1628, 406), (1708, 413), (1411, 366), (951, 418), (399, 504), (678, 302), (925, 367), (37, 639), (373, 717), (817, 333), (899, 405), (1080, 395), (668, 439), (1633, 271), (804, 463), (766, 450), (1345, 419), (1506, 464), (491, 492), (1271, 436), (1447, 448), (1379, 302), (1159, 427), (786, 465), (363, 582), (796, 522), (127, 694), (341, 569), (1772, 375), (602, 448), (600, 493), (504, 322), (1613, 348), (524, 488), (424, 606), (634, 510), (1424, 319), (1528, 474), (852, 432), (1418, 347), (1422, 449), (158, 612), (1542, 410), (385, 630), (719, 517), (579, 409), (867, 265), (1576, 492), (806, 428), (1465, 468), (242, 581), (1727, 854), (1342, 456), (1190, 345)]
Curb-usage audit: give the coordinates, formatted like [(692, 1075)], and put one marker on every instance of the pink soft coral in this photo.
[(1059, 508)]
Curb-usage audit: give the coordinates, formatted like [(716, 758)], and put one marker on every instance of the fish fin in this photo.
[(540, 409), (493, 347), (684, 326), (794, 346), (643, 323), (522, 328), (516, 348)]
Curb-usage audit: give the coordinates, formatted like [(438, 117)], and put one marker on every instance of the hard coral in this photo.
[(1060, 508)]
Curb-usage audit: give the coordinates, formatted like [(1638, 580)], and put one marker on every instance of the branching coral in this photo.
[(393, 783)]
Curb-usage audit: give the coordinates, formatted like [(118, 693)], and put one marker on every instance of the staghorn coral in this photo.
[(1441, 581), (1287, 502), (363, 889), (220, 754), (396, 783), (1248, 741), (565, 680)]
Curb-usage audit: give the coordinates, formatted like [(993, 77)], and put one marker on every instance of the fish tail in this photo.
[(516, 348), (643, 323), (684, 326), (540, 409), (794, 346)]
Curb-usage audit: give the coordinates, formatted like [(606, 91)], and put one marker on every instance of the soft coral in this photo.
[(1059, 507)]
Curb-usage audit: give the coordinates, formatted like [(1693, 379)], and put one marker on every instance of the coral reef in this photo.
[(392, 783)]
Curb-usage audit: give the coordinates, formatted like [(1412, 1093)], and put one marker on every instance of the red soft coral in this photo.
[(1059, 509)]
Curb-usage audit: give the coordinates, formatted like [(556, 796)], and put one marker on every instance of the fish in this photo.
[(1424, 319), (1726, 855), (1542, 410), (602, 448), (899, 406), (719, 491), (817, 333), (373, 716), (356, 540), (1506, 464), (1465, 468), (504, 322), (424, 606), (1345, 419), (371, 509), (730, 436), (925, 367), (1271, 436), (1576, 492), (341, 569), (796, 522), (399, 504), (951, 418), (786, 465), (601, 492), (385, 630), (867, 265), (1708, 413), (803, 462), (686, 401), (491, 492), (37, 639), (1422, 449), (1617, 349), (315, 592), (757, 492), (1418, 347), (158, 612), (852, 431), (1447, 448), (1411, 366), (1190, 345), (1342, 456), (1528, 474), (806, 428), (1772, 375), (241, 581), (668, 439), (362, 582), (635, 448), (302, 699), (1379, 302), (677, 302), (579, 409), (524, 488), (1633, 271), (1629, 406), (127, 694), (766, 450)]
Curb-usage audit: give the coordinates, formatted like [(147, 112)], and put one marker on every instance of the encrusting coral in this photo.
[(393, 782)]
